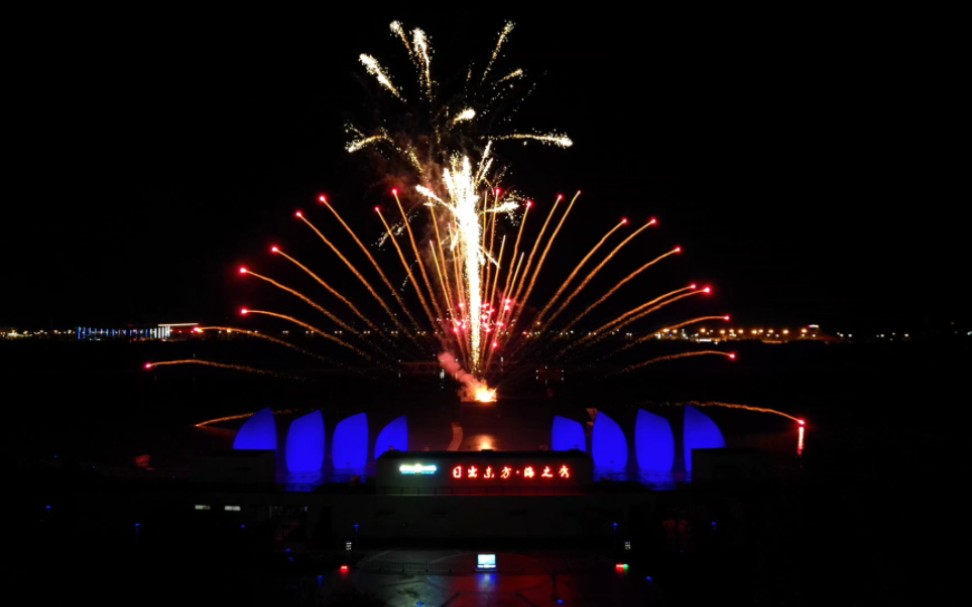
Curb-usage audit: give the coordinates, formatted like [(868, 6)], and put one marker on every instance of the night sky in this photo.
[(803, 160)]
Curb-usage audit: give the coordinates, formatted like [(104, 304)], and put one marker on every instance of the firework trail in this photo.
[(801, 422), (685, 323), (667, 357), (218, 365), (670, 329), (233, 418), (798, 420), (268, 338)]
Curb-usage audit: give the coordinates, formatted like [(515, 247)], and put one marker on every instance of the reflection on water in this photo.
[(483, 442), (485, 582)]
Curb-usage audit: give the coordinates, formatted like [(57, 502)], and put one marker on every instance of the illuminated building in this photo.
[(618, 470), (653, 445)]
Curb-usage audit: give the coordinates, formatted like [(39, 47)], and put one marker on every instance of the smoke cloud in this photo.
[(472, 388)]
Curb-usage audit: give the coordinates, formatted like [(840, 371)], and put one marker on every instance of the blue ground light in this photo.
[(654, 444), (305, 444), (567, 434), (609, 446), (258, 433), (392, 436), (349, 450), (700, 432)]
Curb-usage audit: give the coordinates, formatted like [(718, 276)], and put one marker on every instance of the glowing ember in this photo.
[(484, 394), (473, 389)]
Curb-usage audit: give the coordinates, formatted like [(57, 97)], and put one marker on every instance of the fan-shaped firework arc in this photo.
[(466, 290)]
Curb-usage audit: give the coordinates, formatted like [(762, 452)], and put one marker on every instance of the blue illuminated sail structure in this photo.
[(393, 437), (305, 444), (567, 434), (259, 433), (349, 446), (609, 447), (654, 445), (699, 432)]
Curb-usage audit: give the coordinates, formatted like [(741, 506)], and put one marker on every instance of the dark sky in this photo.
[(803, 160)]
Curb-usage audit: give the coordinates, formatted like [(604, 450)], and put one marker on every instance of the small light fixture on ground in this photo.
[(485, 562)]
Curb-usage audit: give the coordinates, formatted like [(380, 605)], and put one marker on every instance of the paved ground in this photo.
[(430, 578)]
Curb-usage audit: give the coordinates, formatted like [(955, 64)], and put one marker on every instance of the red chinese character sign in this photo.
[(489, 471), (505, 473)]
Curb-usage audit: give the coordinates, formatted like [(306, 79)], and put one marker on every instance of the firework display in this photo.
[(460, 254)]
